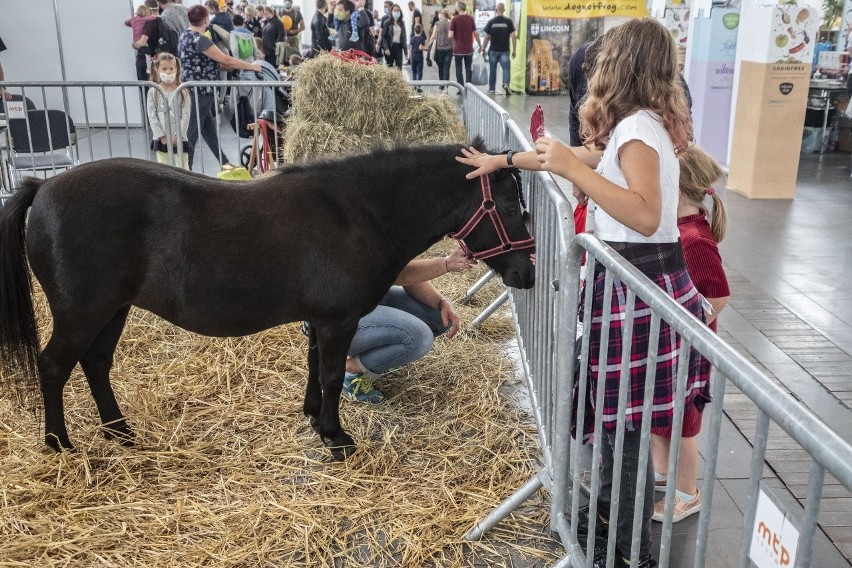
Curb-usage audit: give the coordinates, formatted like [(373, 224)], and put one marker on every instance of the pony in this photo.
[(320, 242)]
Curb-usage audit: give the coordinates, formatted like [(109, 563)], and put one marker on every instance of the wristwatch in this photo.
[(509, 155)]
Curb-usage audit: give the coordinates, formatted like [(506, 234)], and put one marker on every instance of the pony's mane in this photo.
[(409, 155)]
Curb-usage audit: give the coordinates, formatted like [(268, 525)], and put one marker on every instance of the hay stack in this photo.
[(227, 471), (343, 108)]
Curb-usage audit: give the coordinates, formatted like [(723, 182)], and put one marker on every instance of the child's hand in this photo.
[(556, 157), (163, 140)]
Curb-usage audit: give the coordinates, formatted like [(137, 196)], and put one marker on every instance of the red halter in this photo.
[(487, 207)]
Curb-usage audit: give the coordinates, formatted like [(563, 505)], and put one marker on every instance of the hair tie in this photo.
[(710, 191)]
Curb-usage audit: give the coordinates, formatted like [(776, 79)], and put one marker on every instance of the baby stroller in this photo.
[(249, 102)]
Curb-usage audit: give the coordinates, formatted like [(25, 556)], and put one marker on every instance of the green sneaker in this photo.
[(358, 388)]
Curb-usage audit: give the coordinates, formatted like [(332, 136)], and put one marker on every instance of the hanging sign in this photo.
[(587, 8), (774, 538)]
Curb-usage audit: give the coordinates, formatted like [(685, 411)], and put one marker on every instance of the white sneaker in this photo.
[(682, 509)]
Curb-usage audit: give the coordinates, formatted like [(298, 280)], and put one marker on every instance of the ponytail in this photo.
[(718, 218)]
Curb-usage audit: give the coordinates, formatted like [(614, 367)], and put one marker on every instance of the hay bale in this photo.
[(344, 108), (309, 140), (432, 120), (360, 99)]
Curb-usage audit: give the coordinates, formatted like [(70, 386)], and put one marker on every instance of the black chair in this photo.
[(42, 142)]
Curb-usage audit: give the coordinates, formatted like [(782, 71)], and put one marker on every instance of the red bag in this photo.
[(537, 129), (580, 218)]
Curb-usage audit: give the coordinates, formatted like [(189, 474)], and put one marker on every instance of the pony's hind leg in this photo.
[(313, 390), (67, 344), (97, 363)]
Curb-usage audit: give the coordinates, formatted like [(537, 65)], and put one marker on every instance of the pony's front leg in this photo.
[(313, 390), (334, 341)]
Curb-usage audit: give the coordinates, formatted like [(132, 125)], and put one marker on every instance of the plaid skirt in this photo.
[(679, 286)]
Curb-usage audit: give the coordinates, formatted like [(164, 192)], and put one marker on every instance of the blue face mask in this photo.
[(387, 11), (396, 14)]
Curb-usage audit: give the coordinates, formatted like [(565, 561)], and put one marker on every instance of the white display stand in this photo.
[(774, 52)]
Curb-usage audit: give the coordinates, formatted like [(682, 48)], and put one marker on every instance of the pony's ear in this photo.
[(479, 144)]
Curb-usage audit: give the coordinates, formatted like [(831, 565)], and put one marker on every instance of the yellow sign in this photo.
[(572, 9)]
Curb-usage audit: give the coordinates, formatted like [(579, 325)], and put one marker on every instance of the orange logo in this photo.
[(773, 542)]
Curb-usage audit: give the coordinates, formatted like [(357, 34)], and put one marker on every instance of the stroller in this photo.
[(250, 105)]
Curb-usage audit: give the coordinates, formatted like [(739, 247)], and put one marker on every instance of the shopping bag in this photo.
[(479, 71)]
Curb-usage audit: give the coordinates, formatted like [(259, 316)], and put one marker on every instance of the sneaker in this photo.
[(358, 388), (333, 36), (492, 92), (599, 557), (354, 37), (507, 90), (682, 509), (601, 527), (660, 485)]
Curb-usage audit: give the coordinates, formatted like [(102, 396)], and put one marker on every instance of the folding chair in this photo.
[(41, 142)]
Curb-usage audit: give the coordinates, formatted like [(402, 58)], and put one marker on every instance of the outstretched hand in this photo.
[(484, 163), (457, 261)]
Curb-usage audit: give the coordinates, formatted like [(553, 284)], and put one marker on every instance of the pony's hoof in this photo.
[(121, 433), (314, 421), (58, 443), (342, 446)]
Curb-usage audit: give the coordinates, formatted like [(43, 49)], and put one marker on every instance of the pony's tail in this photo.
[(19, 342)]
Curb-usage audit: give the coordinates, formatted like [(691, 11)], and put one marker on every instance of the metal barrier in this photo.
[(552, 400), (110, 119)]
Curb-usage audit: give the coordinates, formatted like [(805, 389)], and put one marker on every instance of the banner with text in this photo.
[(711, 78), (572, 9)]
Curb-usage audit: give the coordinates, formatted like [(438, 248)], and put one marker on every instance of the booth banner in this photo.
[(772, 95), (676, 20), (794, 31), (548, 52), (711, 78), (574, 9), (483, 11)]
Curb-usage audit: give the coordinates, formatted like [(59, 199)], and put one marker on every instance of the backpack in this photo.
[(169, 38), (245, 48)]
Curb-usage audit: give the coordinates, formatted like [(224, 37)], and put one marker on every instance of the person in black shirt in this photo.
[(498, 32), (319, 28), (273, 32), (416, 16)]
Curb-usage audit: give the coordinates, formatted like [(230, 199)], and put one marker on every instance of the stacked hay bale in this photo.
[(341, 108)]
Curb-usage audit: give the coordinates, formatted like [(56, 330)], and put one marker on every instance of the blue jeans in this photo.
[(467, 60), (400, 330), (493, 58)]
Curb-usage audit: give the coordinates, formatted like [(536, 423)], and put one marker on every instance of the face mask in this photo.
[(340, 15), (288, 5), (168, 77), (387, 11), (396, 15)]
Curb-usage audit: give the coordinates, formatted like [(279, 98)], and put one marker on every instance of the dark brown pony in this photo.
[(321, 243)]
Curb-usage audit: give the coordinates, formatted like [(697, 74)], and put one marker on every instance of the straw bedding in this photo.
[(227, 471), (341, 107)]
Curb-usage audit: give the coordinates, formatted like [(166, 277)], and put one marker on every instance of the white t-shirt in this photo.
[(647, 127)]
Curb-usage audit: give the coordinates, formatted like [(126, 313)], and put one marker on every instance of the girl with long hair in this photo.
[(634, 120)]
